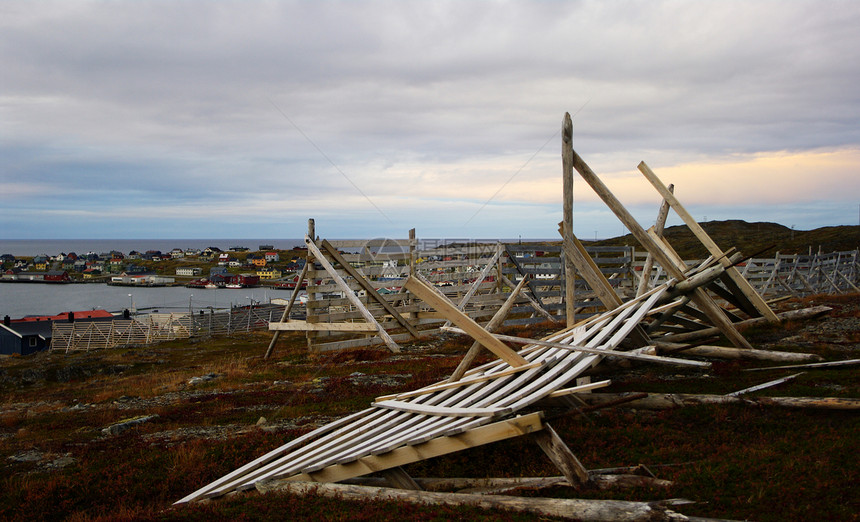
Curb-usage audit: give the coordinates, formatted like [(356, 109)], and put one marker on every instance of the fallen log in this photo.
[(665, 401), (725, 352), (803, 313), (494, 485), (580, 509)]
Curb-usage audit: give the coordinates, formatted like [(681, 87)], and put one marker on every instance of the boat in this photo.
[(210, 285), (232, 285)]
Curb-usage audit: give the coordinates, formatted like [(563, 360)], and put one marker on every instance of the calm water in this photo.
[(52, 247), (20, 299)]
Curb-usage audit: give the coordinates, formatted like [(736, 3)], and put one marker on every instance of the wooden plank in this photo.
[(360, 279), (747, 291), (304, 326), (598, 351), (579, 389), (398, 478), (433, 448), (561, 456), (762, 386), (443, 305), (443, 411), (320, 258), (495, 322), (462, 382)]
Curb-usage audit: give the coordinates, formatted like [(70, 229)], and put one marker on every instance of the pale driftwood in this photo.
[(764, 385), (349, 294), (665, 401), (597, 351), (726, 352), (430, 296), (704, 301), (495, 322), (813, 366), (803, 313), (359, 278), (746, 290), (567, 217), (561, 456), (579, 509), (442, 411)]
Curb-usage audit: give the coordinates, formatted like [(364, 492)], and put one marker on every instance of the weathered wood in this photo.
[(442, 411), (567, 218), (659, 225), (496, 485), (469, 326), (434, 447), (561, 456), (478, 280), (664, 401), (803, 313), (597, 351), (287, 310), (725, 352), (579, 389), (532, 301), (348, 293), (398, 478), (747, 291), (813, 366), (705, 303), (584, 510), (763, 386), (360, 279), (494, 323), (304, 326)]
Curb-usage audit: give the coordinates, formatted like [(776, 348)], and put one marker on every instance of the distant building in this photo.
[(271, 257), (192, 271), (266, 247)]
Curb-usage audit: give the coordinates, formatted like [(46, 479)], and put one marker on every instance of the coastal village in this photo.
[(237, 267)]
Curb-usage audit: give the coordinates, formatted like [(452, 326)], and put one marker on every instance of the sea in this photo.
[(22, 299)]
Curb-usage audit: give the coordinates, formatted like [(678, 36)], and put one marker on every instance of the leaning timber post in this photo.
[(704, 301), (659, 225), (309, 336), (567, 223)]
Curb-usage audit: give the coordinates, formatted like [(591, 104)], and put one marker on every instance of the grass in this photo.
[(736, 461)]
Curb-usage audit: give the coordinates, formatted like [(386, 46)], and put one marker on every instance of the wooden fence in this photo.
[(155, 328)]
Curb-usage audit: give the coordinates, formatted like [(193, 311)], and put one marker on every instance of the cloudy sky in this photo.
[(208, 119)]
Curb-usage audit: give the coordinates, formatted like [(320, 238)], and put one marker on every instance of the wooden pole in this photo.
[(747, 292), (286, 314), (567, 223), (659, 225), (702, 299), (495, 322), (350, 295)]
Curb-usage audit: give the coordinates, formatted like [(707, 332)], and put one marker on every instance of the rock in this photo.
[(203, 378), (261, 421), (26, 456), (119, 427)]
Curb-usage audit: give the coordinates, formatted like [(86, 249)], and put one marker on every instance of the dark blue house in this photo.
[(24, 338)]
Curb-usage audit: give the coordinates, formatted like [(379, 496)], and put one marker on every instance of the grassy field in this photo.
[(202, 402)]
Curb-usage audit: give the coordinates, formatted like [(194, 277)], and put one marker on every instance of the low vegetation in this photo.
[(203, 408)]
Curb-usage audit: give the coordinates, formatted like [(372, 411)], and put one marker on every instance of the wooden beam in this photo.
[(705, 303), (403, 455), (480, 279), (597, 351), (747, 291), (561, 456), (567, 219), (495, 323), (286, 314), (398, 478), (350, 295), (659, 225), (445, 307), (441, 411), (304, 326), (365, 284)]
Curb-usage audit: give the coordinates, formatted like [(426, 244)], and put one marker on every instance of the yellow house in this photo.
[(258, 261), (269, 273), (41, 266)]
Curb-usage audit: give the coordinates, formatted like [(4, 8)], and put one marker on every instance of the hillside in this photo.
[(761, 239)]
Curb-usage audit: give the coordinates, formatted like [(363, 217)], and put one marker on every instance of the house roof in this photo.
[(85, 314)]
